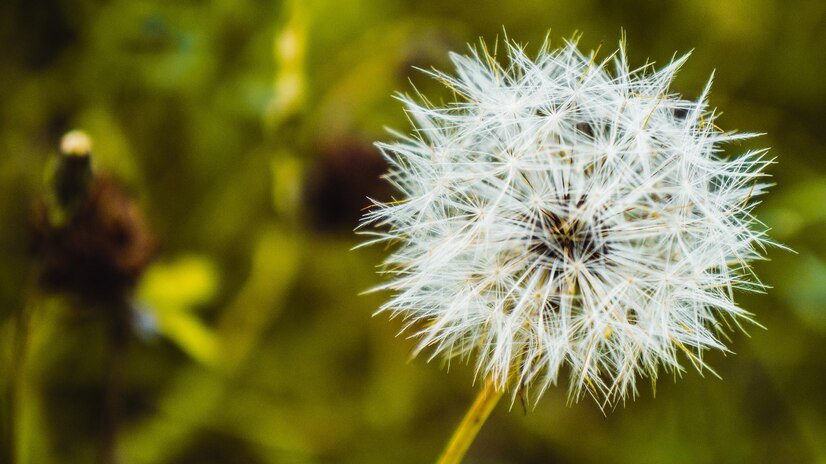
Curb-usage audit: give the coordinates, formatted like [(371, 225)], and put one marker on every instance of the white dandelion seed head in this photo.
[(568, 214)]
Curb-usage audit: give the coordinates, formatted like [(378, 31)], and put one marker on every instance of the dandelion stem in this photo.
[(469, 427)]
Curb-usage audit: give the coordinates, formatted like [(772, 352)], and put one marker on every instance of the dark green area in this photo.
[(243, 129)]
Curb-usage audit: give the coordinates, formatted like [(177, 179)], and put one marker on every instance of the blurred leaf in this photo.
[(181, 284), (172, 292)]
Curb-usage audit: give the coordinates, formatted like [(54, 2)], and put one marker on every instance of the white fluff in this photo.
[(561, 213)]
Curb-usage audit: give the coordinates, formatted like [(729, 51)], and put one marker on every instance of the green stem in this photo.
[(467, 430)]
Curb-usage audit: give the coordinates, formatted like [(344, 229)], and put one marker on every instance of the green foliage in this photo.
[(171, 293), (243, 128)]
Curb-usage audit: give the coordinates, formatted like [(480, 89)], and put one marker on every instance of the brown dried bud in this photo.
[(100, 252)]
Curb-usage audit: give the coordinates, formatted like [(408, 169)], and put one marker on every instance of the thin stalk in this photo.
[(464, 435), (16, 386), (118, 336)]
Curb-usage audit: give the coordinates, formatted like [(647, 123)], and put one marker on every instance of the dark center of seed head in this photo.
[(562, 240), (566, 238)]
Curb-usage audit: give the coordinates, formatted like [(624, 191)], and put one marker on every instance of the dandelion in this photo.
[(568, 215)]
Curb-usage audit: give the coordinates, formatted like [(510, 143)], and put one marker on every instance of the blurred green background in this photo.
[(243, 129)]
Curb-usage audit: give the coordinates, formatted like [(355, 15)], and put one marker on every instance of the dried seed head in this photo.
[(563, 215)]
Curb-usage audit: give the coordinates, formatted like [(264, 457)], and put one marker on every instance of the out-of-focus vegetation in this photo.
[(243, 131)]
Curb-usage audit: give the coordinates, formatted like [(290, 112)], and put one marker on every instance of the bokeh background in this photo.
[(243, 130)]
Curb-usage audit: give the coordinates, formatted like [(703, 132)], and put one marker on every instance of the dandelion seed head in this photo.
[(568, 214)]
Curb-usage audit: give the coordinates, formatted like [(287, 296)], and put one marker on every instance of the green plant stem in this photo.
[(18, 379), (118, 338), (467, 430)]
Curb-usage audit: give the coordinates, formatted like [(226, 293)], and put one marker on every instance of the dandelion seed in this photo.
[(567, 214)]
